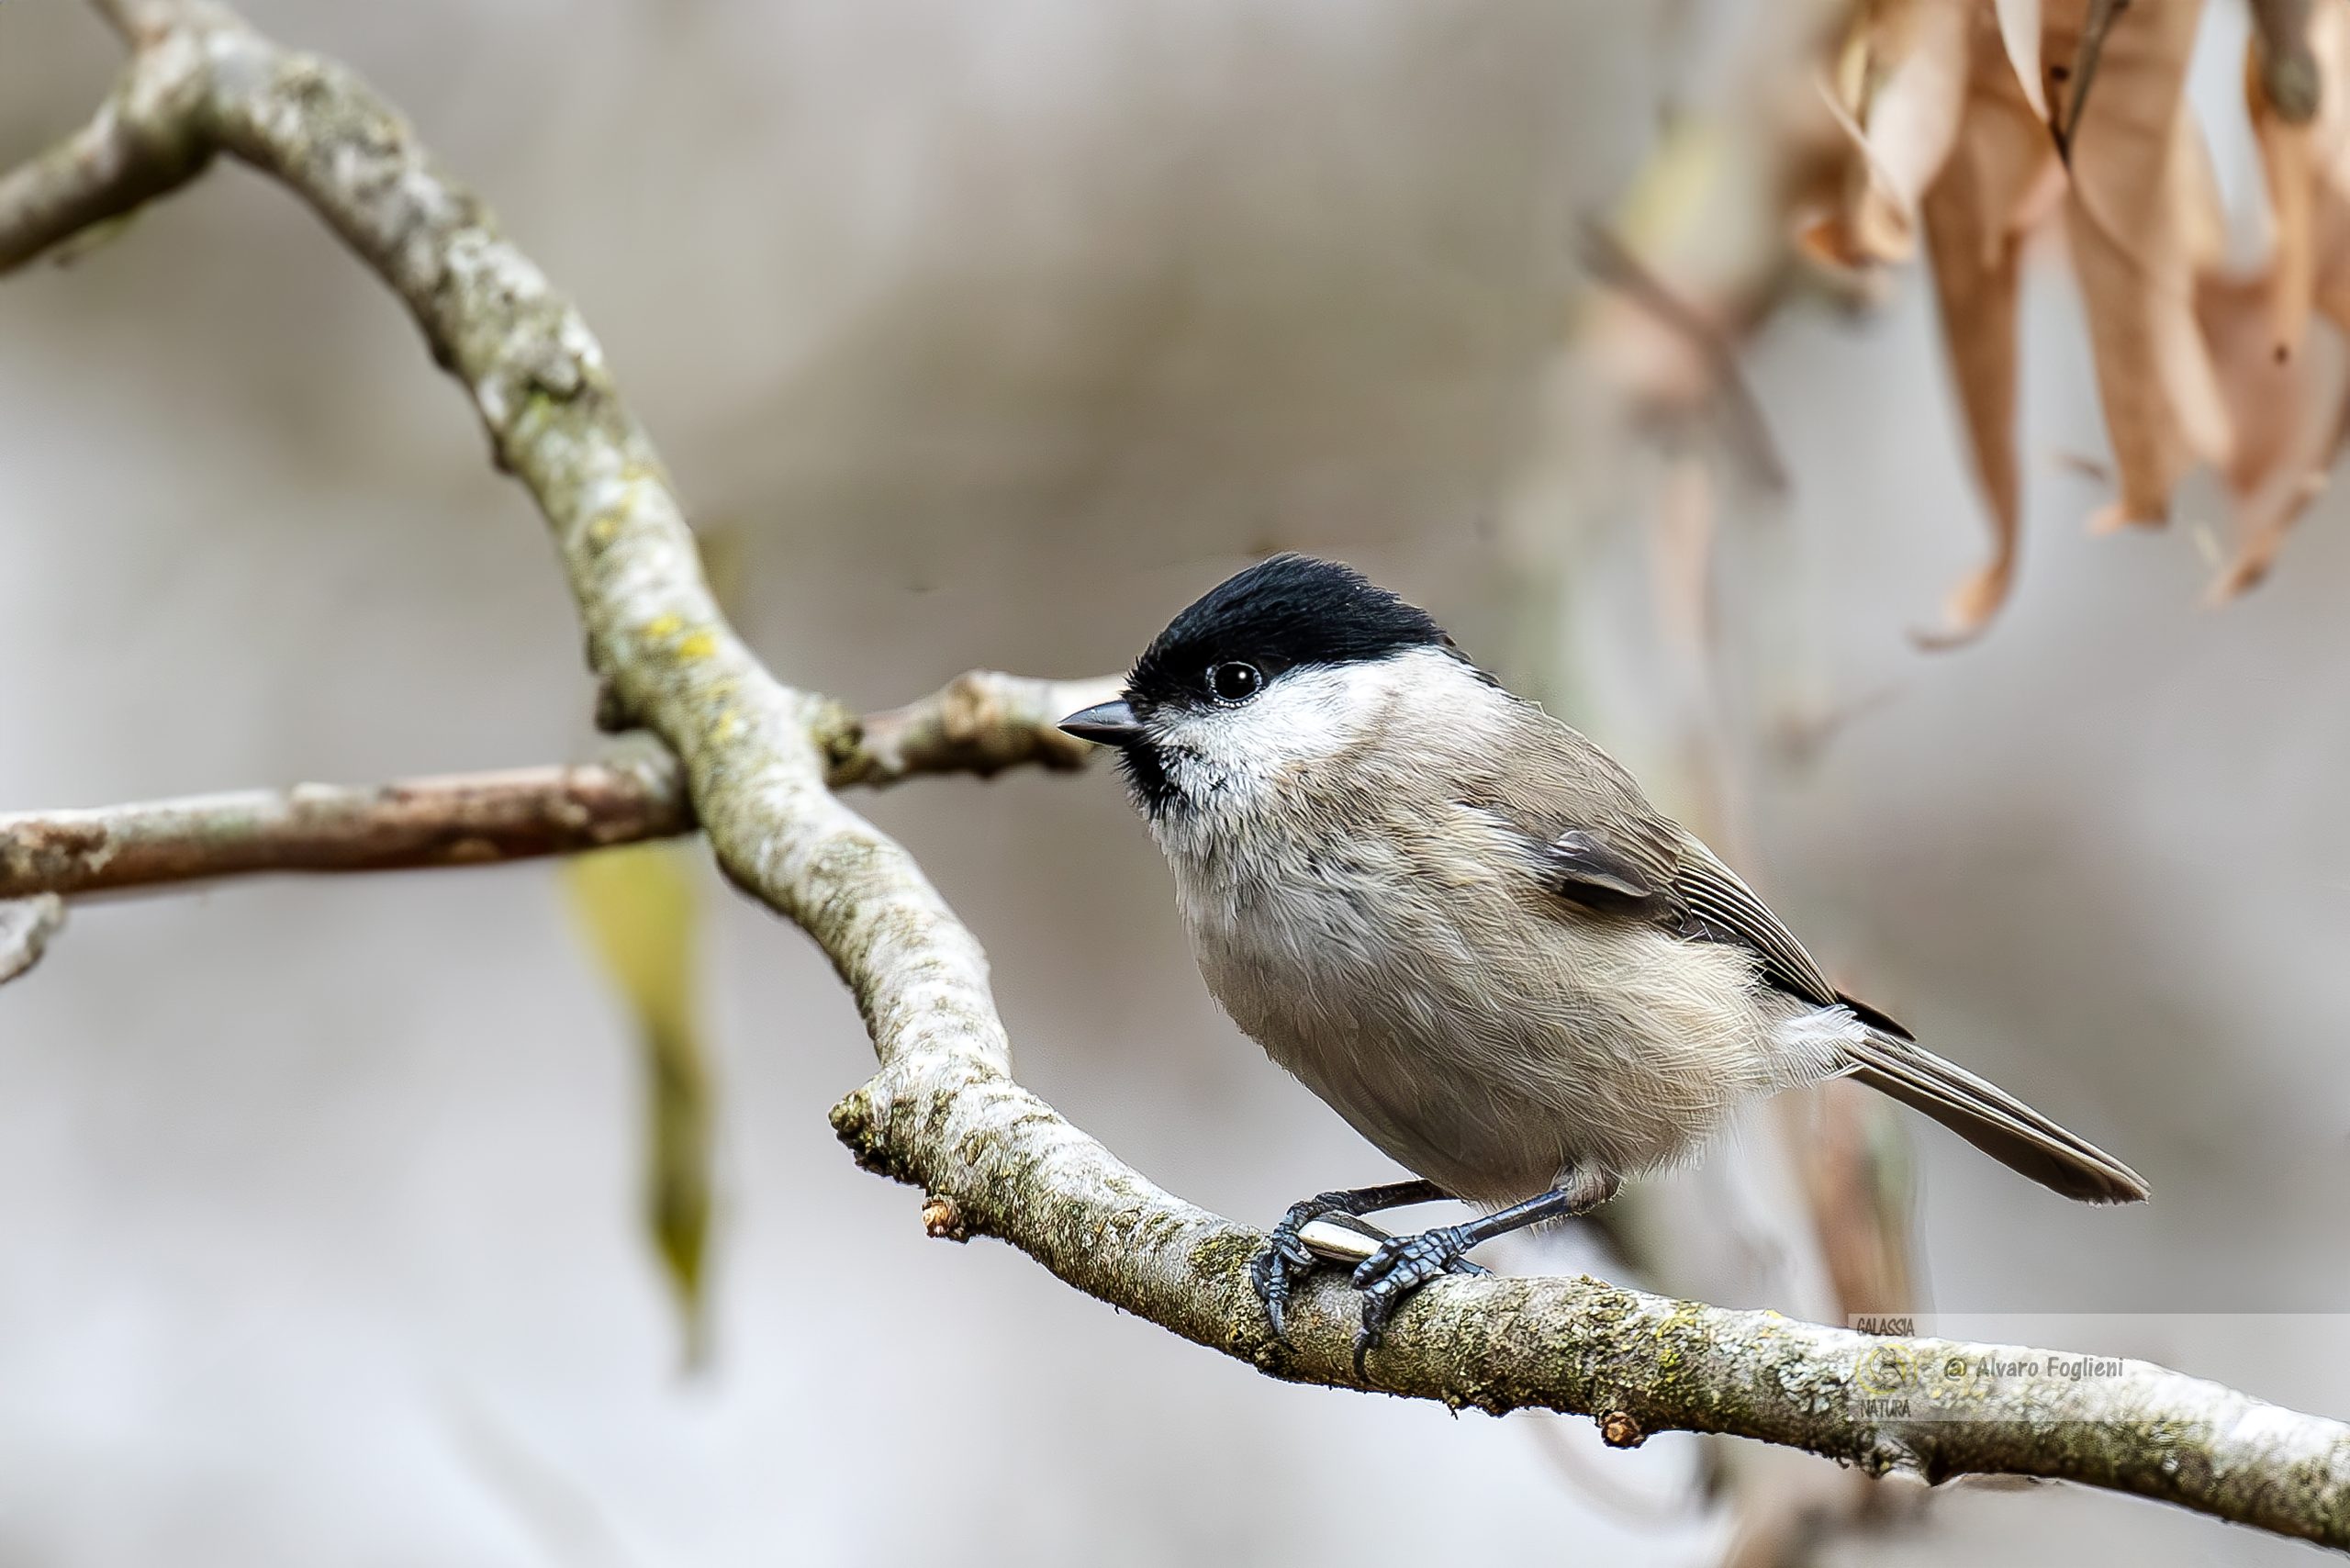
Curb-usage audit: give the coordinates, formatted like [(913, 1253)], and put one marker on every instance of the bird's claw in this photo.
[(1284, 1262), (1286, 1259), (1401, 1266)]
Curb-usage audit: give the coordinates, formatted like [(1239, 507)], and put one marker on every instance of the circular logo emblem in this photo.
[(1886, 1370)]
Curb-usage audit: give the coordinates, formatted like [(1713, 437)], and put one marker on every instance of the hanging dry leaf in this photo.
[(2293, 416), (2020, 37), (2138, 232), (2287, 64), (2285, 145), (2267, 395), (1976, 214), (1901, 105), (2329, 162), (2255, 328), (2263, 527), (1976, 119)]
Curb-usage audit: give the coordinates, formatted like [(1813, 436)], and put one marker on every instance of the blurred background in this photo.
[(990, 336)]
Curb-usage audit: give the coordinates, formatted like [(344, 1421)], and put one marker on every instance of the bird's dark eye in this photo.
[(1234, 682)]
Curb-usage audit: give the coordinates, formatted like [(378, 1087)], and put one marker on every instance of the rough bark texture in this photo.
[(979, 723), (943, 1113), (458, 821)]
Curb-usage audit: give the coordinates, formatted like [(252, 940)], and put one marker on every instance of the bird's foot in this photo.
[(1401, 1266), (1287, 1259)]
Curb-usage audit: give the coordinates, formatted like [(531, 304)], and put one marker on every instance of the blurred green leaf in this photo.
[(639, 910)]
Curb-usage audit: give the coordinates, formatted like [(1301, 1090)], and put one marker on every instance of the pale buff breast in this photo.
[(1477, 1035)]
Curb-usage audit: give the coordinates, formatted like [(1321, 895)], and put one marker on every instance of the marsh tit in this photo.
[(1461, 925)]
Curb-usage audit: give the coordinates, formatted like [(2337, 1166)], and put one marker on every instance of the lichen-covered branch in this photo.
[(943, 1111), (981, 722), (998, 1161), (26, 926)]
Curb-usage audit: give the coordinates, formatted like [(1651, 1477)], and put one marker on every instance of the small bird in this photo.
[(1462, 926)]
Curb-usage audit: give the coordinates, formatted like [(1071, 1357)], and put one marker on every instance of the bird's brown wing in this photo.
[(1661, 874), (1648, 868), (1595, 841)]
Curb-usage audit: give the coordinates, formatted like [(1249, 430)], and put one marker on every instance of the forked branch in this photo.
[(979, 723)]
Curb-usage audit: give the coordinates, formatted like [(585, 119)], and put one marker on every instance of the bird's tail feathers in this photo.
[(1992, 1120)]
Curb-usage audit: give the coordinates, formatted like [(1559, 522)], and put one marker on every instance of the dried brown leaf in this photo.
[(1901, 122), (2284, 59), (2329, 163), (1913, 121), (1974, 217), (2268, 396), (2287, 149), (2263, 536), (2079, 75), (2292, 421), (2139, 217), (2020, 37), (2140, 228)]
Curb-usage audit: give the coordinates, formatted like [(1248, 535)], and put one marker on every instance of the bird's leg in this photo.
[(1403, 1263), (1288, 1259)]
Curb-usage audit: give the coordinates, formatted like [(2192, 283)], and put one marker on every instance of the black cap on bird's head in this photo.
[(1283, 613)]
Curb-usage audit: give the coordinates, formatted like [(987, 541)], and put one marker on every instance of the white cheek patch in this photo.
[(1225, 761), (1230, 754)]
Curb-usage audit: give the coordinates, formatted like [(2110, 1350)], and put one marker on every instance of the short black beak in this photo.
[(1105, 723)]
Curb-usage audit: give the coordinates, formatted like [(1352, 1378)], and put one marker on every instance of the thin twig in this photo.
[(1613, 262), (2100, 22), (979, 723), (146, 141)]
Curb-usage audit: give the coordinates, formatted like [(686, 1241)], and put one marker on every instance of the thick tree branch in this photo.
[(981, 722), (945, 1114)]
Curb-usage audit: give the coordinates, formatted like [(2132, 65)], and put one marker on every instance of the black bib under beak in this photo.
[(1105, 723)]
